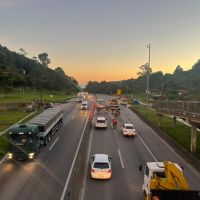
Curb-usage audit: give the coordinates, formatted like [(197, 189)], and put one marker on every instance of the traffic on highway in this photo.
[(93, 147)]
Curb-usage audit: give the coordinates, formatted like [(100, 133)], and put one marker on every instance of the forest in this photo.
[(178, 85), (17, 70)]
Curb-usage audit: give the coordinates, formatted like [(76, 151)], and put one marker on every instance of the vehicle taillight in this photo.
[(92, 170), (110, 170)]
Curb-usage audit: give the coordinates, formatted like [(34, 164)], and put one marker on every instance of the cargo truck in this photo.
[(25, 140), (166, 181)]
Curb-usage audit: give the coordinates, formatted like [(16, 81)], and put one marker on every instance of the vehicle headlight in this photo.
[(10, 155), (30, 155)]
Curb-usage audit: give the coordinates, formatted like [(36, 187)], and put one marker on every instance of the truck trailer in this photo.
[(25, 140)]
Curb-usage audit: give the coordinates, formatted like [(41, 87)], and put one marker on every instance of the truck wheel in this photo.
[(48, 137), (45, 141)]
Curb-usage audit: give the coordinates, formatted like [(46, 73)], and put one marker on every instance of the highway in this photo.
[(45, 177), (127, 155)]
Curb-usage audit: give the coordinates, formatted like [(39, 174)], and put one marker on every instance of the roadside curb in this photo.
[(181, 151)]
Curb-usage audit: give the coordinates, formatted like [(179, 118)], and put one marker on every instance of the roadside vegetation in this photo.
[(28, 95), (13, 109), (181, 133)]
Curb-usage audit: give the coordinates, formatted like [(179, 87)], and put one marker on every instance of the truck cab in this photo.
[(23, 142), (151, 170)]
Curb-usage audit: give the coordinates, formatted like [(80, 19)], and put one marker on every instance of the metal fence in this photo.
[(192, 107)]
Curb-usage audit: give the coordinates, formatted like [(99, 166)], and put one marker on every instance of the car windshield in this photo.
[(101, 121), (101, 165), (129, 127)]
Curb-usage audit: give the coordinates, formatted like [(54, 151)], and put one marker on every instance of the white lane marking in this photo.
[(162, 140), (4, 158), (73, 163), (150, 152), (54, 143), (120, 158), (73, 116)]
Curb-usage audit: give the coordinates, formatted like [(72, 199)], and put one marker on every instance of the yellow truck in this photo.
[(166, 181)]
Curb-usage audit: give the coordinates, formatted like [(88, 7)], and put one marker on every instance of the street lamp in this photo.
[(149, 47)]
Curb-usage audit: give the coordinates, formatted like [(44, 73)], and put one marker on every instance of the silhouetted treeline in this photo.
[(180, 84), (18, 70)]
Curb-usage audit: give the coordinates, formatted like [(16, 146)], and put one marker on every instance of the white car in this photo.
[(101, 166), (80, 99), (84, 105), (101, 122), (128, 130)]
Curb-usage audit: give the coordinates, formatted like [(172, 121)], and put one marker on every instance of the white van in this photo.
[(84, 105)]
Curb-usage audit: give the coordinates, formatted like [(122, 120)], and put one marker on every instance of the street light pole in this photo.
[(149, 47)]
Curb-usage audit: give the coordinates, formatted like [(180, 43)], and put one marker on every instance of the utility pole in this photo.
[(149, 47)]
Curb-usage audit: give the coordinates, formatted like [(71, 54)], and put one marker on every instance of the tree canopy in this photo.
[(16, 70)]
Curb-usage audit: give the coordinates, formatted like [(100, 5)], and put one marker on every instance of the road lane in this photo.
[(161, 150), (126, 182), (45, 177)]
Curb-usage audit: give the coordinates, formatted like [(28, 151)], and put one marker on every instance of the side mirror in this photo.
[(140, 167), (91, 156)]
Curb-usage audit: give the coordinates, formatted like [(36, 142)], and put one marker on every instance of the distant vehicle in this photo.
[(26, 139), (101, 122), (30, 108), (100, 103), (84, 105), (101, 166), (80, 94), (80, 99), (123, 102), (165, 180), (128, 130)]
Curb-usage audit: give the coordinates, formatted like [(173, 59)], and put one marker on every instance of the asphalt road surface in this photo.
[(127, 155), (45, 177)]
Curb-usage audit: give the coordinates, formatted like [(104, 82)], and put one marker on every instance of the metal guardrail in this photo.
[(192, 107)]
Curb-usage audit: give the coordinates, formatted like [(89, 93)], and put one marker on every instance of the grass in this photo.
[(10, 117), (16, 97), (181, 133)]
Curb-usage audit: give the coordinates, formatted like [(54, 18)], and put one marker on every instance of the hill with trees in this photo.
[(16, 70), (178, 85)]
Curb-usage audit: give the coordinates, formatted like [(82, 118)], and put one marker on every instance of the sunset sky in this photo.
[(104, 39)]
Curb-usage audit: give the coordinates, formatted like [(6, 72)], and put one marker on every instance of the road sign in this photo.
[(119, 92)]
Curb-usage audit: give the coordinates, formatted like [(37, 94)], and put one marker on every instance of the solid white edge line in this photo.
[(54, 143), (2, 160), (120, 158), (150, 152), (73, 163), (182, 159)]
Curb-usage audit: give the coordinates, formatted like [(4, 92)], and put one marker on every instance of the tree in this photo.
[(34, 58), (144, 70), (60, 70), (22, 52), (43, 57), (178, 69)]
